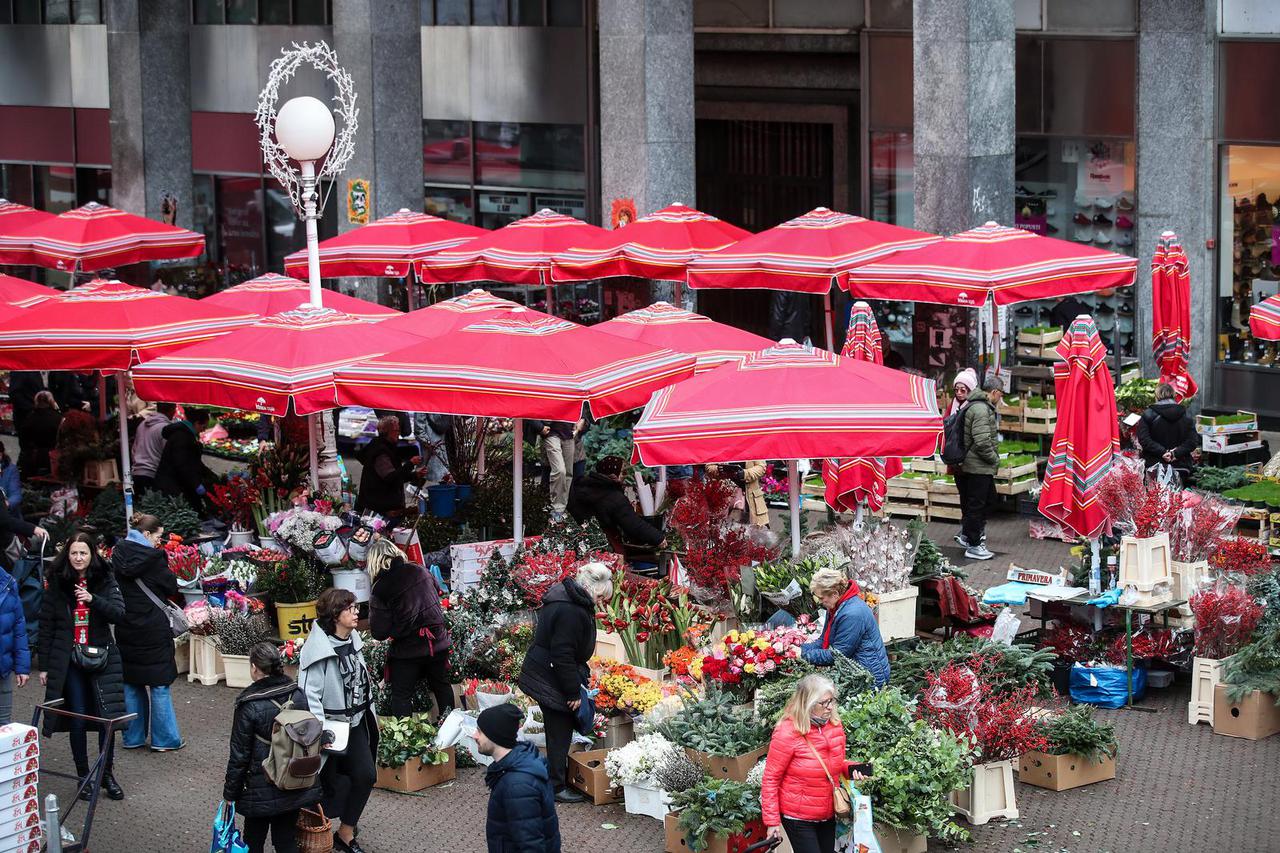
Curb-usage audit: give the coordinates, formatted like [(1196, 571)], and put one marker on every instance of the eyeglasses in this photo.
[(827, 703), (354, 607)]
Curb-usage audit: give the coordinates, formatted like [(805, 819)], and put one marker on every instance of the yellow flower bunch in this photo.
[(640, 698)]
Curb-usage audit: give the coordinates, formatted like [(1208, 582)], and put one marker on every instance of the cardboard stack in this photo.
[(19, 789)]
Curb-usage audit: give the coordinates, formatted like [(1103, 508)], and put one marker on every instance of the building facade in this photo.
[(1102, 121)]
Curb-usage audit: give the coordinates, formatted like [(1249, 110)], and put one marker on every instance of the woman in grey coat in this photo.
[(333, 676)]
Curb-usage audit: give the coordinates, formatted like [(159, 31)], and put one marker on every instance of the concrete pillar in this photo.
[(1176, 184), (963, 113), (149, 66)]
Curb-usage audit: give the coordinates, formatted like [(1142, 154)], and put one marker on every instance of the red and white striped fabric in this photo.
[(804, 254), (386, 247), (95, 237), (451, 314), (658, 246), (991, 261), (15, 217), (1264, 319), (789, 402), (23, 293), (519, 253), (1171, 314), (271, 294), (664, 325)]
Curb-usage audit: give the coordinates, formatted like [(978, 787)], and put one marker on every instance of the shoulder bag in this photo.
[(177, 619), (839, 794)]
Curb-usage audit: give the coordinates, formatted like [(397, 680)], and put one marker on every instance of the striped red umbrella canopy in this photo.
[(658, 246), (1087, 434), (1264, 319), (664, 325), (16, 217), (23, 293), (272, 294), (386, 247), (519, 253), (1171, 314), (852, 482), (452, 314), (286, 360), (95, 237), (107, 325)]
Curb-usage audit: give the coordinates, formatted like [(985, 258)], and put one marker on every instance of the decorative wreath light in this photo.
[(322, 58)]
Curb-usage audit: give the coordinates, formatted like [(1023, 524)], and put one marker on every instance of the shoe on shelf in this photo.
[(1124, 222), (1124, 203), (979, 553), (1102, 238), (1023, 311), (1102, 203), (1022, 192), (569, 795), (1051, 228), (1082, 235), (1104, 309), (1081, 219), (1124, 238), (1101, 220), (1083, 201), (961, 541), (112, 787), (1126, 309)]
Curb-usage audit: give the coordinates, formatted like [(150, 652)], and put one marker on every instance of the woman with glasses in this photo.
[(850, 627), (333, 676)]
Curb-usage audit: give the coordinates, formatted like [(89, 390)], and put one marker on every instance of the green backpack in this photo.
[(293, 757)]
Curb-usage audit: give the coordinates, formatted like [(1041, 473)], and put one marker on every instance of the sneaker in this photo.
[(1082, 235), (169, 748), (1102, 203), (1083, 202), (978, 553), (1124, 222), (1124, 238), (569, 795), (1102, 238), (961, 541), (1101, 220), (1124, 203), (1081, 219)]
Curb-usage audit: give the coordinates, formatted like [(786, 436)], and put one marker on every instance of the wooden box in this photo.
[(1254, 717), (1040, 338), (587, 774), (415, 776), (101, 472), (726, 767), (1062, 772)]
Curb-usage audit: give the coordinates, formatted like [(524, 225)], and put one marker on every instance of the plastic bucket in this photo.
[(356, 580), (464, 495), (294, 620), (442, 500)]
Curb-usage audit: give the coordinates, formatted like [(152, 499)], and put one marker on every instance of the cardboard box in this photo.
[(1254, 717), (415, 776), (21, 824), (727, 767), (587, 774), (16, 735), (1062, 772), (18, 795), (21, 783), (20, 768)]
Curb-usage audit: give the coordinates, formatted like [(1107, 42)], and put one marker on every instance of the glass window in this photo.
[(1243, 116), (208, 12), (1250, 272), (203, 218), (489, 13), (453, 13), (310, 12), (892, 178), (57, 11), (449, 203), (527, 13), (242, 11), (93, 185), (891, 14), (15, 183), (1090, 15), (55, 188), (26, 12), (239, 217), (273, 11), (530, 155), (889, 82), (446, 151), (731, 13), (564, 13), (286, 231), (428, 9), (86, 11), (817, 13)]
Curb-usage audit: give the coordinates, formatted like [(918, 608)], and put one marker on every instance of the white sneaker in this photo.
[(978, 553)]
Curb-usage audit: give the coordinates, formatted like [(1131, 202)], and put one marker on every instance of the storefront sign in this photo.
[(565, 205), (1098, 174), (499, 203), (358, 201)]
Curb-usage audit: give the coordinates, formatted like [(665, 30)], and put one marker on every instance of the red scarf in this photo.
[(851, 592)]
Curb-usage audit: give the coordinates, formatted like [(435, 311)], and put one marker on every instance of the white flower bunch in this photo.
[(635, 763)]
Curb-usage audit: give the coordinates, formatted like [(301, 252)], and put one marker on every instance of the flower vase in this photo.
[(237, 538), (990, 794), (270, 543), (237, 670)]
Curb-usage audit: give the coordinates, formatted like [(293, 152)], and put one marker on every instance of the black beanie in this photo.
[(501, 723)]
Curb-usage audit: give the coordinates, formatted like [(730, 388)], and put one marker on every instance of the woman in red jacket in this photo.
[(806, 758)]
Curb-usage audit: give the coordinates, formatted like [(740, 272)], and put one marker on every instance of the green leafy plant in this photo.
[(850, 678), (1255, 667), (1010, 666), (106, 516), (715, 807), (290, 581), (713, 725), (436, 533), (1076, 732), (175, 514), (402, 739), (1219, 479), (1136, 395)]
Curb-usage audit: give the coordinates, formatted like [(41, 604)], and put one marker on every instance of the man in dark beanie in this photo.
[(522, 810), (601, 495)]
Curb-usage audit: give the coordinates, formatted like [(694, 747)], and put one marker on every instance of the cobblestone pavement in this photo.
[(1179, 787)]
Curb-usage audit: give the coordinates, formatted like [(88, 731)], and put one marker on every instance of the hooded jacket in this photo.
[(795, 783), (148, 444), (15, 654), (1163, 427), (981, 442), (405, 602), (180, 471), (320, 676), (564, 639), (144, 636), (245, 783), (522, 809), (383, 480), (597, 496)]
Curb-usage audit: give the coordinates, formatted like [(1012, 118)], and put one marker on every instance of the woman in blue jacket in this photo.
[(850, 628), (15, 654)]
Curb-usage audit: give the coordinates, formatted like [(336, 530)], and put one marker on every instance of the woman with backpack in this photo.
[(265, 807)]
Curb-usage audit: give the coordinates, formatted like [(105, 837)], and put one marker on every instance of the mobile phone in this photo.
[(863, 767)]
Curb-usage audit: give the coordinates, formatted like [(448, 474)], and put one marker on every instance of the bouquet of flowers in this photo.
[(680, 662), (622, 690), (878, 556), (239, 603), (537, 571), (185, 561), (200, 616), (743, 659), (291, 652), (637, 762), (650, 617), (297, 527), (1225, 619), (1203, 523), (235, 499), (500, 654)]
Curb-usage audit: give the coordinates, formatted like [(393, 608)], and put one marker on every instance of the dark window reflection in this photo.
[(530, 155), (446, 151)]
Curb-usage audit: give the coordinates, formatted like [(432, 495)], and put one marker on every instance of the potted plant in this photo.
[(206, 664), (269, 504), (715, 809), (293, 585), (235, 633), (235, 499), (1226, 617), (723, 739), (1078, 751), (175, 514), (634, 767), (408, 758)]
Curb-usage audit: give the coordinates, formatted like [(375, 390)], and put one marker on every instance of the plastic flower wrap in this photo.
[(1225, 620), (185, 561), (1238, 555), (622, 690), (878, 556), (1203, 524), (963, 701), (636, 762), (536, 572), (200, 617), (743, 659)]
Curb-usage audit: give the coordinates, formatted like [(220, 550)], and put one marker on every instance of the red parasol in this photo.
[(272, 294), (853, 482), (23, 293), (1171, 314), (17, 217), (283, 360), (452, 314), (519, 253), (1264, 319), (96, 237), (386, 247), (804, 255), (658, 246), (1087, 434), (664, 325)]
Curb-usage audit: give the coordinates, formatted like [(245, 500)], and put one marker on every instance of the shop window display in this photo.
[(1251, 272)]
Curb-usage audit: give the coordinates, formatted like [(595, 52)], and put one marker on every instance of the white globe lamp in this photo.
[(305, 128)]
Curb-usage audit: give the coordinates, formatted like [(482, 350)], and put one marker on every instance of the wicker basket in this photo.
[(314, 834)]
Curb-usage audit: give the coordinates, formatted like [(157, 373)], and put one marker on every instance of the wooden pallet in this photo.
[(1039, 421), (940, 511), (905, 510)]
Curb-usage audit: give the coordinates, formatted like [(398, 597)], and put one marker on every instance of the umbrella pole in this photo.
[(827, 312), (311, 452), (482, 427), (126, 474), (410, 282), (517, 479), (995, 336), (857, 517), (102, 398), (793, 495)]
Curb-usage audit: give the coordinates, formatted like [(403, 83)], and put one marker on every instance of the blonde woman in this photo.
[(806, 759), (850, 628), (404, 607)]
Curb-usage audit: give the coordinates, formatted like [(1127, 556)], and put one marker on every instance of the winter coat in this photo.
[(795, 784), (383, 480), (36, 437), (1163, 427), (12, 486), (11, 525), (403, 603), (980, 440), (53, 651), (564, 639), (320, 680), (15, 654), (180, 470), (854, 634), (522, 808), (246, 785), (598, 496), (752, 490), (148, 444), (144, 636)]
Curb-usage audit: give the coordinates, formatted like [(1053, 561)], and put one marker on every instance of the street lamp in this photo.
[(305, 130)]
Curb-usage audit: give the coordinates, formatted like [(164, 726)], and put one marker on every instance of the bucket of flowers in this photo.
[(740, 662), (235, 500), (486, 693), (187, 564), (622, 695)]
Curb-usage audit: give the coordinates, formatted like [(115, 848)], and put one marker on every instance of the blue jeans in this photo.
[(156, 714)]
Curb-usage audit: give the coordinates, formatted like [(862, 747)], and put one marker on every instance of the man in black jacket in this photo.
[(1166, 432), (600, 495), (181, 468), (522, 814)]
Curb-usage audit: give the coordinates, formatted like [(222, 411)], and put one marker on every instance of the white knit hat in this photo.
[(967, 377)]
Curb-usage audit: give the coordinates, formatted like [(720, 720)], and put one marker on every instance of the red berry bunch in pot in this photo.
[(1238, 555), (962, 700)]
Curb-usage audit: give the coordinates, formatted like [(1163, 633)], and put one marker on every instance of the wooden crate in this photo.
[(944, 511), (1011, 487), (1017, 471), (907, 489), (1039, 421), (927, 465), (1040, 338), (1230, 442), (1013, 411), (905, 510), (941, 487)]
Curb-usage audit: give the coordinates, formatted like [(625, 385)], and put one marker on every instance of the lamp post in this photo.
[(305, 130)]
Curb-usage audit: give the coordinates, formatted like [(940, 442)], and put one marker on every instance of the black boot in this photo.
[(111, 786), (83, 773)]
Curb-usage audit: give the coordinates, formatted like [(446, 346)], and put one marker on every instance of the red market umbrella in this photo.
[(664, 325), (1087, 434), (804, 255), (386, 247), (95, 237), (16, 217), (1171, 314), (452, 314), (850, 483), (1264, 319), (790, 402), (23, 293), (272, 294)]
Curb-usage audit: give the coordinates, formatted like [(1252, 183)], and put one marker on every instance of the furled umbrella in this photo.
[(1264, 319), (95, 237), (1171, 314), (853, 483), (385, 248), (271, 294), (664, 325), (1087, 433), (804, 255), (23, 293), (790, 402), (518, 365)]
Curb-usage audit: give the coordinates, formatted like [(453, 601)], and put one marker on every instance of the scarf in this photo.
[(81, 617), (851, 592)]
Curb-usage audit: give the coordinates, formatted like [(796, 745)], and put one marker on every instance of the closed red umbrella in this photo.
[(95, 237), (1264, 319), (850, 483), (23, 293), (272, 294), (1087, 433), (664, 325), (1171, 314)]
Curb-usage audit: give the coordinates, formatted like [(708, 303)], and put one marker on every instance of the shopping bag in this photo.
[(857, 835), (407, 539), (226, 837)]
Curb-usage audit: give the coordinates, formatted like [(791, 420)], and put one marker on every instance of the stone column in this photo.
[(149, 67), (646, 106), (963, 113), (1176, 183)]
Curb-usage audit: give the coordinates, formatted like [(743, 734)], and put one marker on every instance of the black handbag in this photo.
[(91, 659)]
